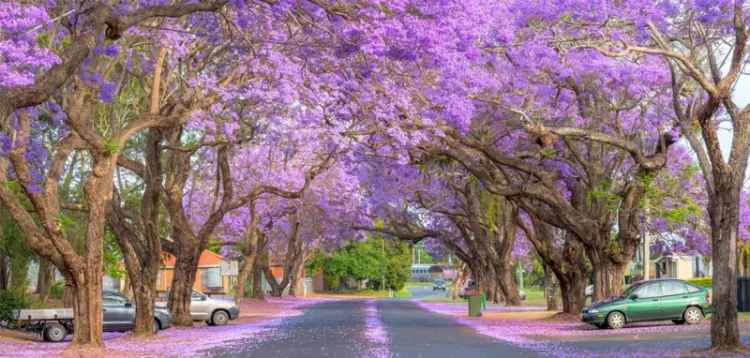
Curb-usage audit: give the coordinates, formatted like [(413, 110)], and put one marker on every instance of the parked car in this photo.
[(214, 311), (653, 300), (119, 314), (54, 324), (438, 284)]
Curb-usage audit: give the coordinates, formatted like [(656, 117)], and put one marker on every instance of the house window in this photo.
[(211, 277)]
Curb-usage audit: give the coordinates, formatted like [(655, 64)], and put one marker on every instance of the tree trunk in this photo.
[(609, 276), (242, 275), (44, 279), (508, 284), (86, 291), (257, 274), (551, 290), (294, 280), (573, 294), (277, 288), (724, 215), (144, 295), (185, 270)]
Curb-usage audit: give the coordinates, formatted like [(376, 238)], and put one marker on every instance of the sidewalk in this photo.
[(257, 318)]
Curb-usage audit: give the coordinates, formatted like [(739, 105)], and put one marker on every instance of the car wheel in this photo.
[(55, 332), (615, 320), (210, 323), (693, 315), (220, 318), (157, 326)]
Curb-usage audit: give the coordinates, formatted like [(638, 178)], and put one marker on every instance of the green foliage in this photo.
[(57, 290), (702, 281), (13, 245), (111, 147), (603, 193), (11, 300), (112, 256), (669, 187), (369, 260)]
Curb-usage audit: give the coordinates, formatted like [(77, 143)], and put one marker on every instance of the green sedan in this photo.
[(653, 300)]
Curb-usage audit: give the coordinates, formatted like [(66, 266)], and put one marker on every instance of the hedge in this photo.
[(11, 300), (701, 281)]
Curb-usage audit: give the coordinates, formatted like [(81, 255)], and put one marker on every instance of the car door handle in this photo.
[(655, 300)]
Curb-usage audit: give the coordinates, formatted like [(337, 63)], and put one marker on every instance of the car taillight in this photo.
[(708, 296)]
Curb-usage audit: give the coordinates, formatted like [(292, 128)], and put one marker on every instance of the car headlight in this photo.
[(593, 311)]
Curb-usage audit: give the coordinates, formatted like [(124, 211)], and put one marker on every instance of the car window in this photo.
[(649, 290), (669, 288), (630, 290), (197, 296), (692, 289)]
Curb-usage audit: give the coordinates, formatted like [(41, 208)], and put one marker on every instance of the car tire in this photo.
[(678, 321), (219, 318), (157, 326), (615, 320), (54, 332), (208, 322), (693, 315), (601, 325)]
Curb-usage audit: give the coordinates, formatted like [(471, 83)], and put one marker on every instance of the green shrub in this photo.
[(11, 300), (702, 281)]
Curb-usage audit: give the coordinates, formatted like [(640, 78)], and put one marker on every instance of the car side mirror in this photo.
[(633, 297)]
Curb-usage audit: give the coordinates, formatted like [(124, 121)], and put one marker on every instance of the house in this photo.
[(216, 274), (679, 266)]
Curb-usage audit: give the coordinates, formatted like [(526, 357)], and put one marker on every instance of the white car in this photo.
[(214, 311)]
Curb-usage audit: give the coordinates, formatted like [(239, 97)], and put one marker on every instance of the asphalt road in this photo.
[(340, 329), (337, 329)]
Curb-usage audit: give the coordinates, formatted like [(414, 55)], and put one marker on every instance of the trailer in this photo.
[(53, 325)]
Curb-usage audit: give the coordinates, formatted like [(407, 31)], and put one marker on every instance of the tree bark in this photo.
[(44, 279), (246, 268), (572, 291), (507, 283), (551, 290), (724, 217), (257, 275), (185, 270), (85, 289), (144, 295)]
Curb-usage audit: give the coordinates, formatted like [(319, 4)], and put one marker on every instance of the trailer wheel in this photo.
[(54, 332)]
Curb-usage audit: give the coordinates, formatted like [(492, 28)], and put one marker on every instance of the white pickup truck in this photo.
[(52, 324)]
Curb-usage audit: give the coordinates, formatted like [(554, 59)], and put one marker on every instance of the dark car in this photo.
[(654, 300), (119, 314), (438, 284)]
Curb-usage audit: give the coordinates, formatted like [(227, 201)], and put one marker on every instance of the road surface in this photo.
[(400, 328), (338, 329)]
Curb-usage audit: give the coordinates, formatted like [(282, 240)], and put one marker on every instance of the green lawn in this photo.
[(416, 284), (534, 296), (404, 293)]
